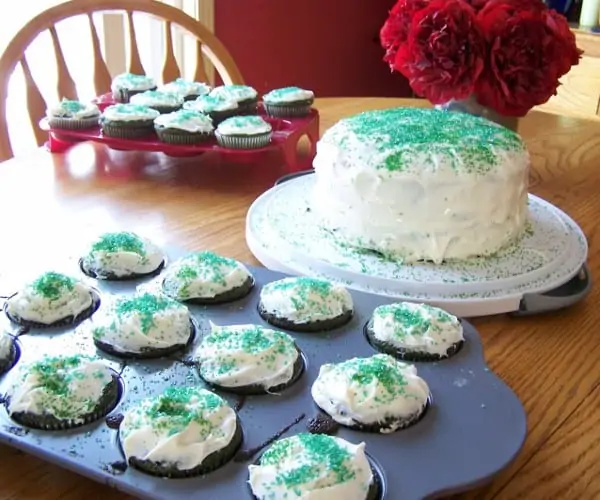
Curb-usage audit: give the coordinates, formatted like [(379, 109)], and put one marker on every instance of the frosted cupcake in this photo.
[(248, 359), (126, 85), (53, 299), (415, 332), (288, 102), (128, 121), (187, 89), (305, 304), (244, 132), (184, 432), (376, 394), (73, 115), (245, 96), (62, 392), (8, 352), (313, 466), (207, 278), (218, 108), (121, 256), (184, 127), (162, 102)]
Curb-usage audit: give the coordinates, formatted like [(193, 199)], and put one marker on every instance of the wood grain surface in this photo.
[(50, 203)]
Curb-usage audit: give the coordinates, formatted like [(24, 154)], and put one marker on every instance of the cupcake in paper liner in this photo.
[(187, 89), (73, 115), (62, 392), (163, 102), (244, 132), (288, 102), (8, 351), (126, 85), (52, 300), (128, 121), (184, 127), (218, 108), (245, 96)]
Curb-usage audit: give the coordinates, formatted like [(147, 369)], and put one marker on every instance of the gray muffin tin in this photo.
[(473, 429)]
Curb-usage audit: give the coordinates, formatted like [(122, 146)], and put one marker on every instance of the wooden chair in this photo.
[(15, 53)]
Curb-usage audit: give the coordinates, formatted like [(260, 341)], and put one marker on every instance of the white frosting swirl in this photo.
[(236, 92), (66, 387), (244, 125), (123, 254), (242, 355), (375, 390), (186, 119), (288, 95), (134, 324), (50, 298), (153, 98), (129, 81), (416, 327), (73, 109), (182, 427), (305, 300), (6, 345), (186, 88), (312, 467), (210, 103), (129, 112), (203, 275)]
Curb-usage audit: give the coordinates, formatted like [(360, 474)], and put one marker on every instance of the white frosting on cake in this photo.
[(210, 103), (287, 95), (186, 88), (66, 387), (50, 298), (133, 324), (244, 125), (123, 254), (305, 300), (416, 327), (203, 275), (129, 81), (153, 98), (182, 427), (421, 184), (129, 112), (186, 119), (236, 92), (319, 467), (73, 109), (375, 390), (243, 355), (6, 345)]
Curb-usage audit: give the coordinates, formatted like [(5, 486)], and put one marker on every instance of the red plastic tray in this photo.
[(286, 134)]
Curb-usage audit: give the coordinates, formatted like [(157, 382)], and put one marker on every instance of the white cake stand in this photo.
[(544, 271)]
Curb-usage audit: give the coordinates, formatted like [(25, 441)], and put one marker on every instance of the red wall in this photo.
[(329, 46)]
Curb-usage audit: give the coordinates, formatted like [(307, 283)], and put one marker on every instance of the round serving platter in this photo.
[(544, 271)]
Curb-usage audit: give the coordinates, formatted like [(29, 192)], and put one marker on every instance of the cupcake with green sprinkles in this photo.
[(52, 300), (244, 132), (288, 102), (415, 332), (248, 359), (163, 102), (314, 466), (218, 108), (187, 89), (143, 326), (207, 278), (183, 432), (376, 394), (128, 121), (73, 115), (8, 351), (245, 96), (305, 304), (62, 392), (126, 85), (122, 255), (184, 127)]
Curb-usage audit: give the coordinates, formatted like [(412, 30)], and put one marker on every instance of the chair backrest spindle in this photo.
[(35, 102), (102, 78), (135, 62), (65, 83), (170, 69)]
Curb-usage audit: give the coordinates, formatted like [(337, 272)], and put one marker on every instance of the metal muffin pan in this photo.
[(473, 428)]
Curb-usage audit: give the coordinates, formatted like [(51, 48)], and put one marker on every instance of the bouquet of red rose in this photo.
[(507, 54)]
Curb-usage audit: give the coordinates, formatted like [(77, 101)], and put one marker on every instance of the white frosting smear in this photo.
[(186, 119), (73, 109), (375, 390), (244, 125), (133, 82), (129, 112), (288, 95)]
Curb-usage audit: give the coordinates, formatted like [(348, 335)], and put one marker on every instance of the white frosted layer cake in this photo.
[(421, 184)]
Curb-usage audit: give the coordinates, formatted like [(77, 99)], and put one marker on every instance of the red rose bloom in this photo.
[(395, 30), (444, 52)]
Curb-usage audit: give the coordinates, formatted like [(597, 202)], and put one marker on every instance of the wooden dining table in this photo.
[(49, 203)]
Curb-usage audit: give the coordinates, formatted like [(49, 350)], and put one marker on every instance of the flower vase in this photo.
[(472, 107)]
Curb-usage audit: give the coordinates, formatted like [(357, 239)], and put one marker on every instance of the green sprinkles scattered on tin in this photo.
[(53, 285), (120, 242)]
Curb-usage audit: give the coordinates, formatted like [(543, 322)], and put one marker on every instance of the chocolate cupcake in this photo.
[(313, 466), (52, 300), (375, 394), (245, 96), (184, 432), (305, 304), (248, 359), (288, 102), (126, 85), (184, 127), (8, 352), (122, 256), (143, 326), (244, 132), (73, 115), (218, 108), (128, 121), (62, 392), (162, 102), (415, 332), (187, 89), (207, 278)]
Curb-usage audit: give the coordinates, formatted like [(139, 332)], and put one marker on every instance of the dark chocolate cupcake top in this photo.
[(74, 110), (312, 466), (288, 95), (244, 125), (187, 120), (65, 387), (236, 92), (378, 389), (416, 327), (141, 322), (129, 113), (246, 355), (50, 298), (182, 426)]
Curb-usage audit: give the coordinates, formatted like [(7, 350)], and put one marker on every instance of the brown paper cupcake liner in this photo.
[(243, 141), (232, 295), (291, 110), (127, 131), (107, 276), (123, 95), (310, 327), (172, 136), (73, 123)]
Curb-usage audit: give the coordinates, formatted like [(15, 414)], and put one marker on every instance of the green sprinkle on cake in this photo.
[(146, 305), (53, 285), (120, 242)]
